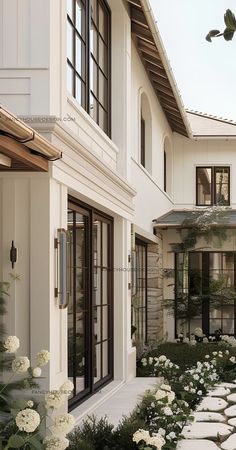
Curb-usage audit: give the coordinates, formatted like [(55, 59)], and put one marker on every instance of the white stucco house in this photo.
[(95, 140)]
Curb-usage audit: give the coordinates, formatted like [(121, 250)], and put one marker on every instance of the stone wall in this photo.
[(154, 292)]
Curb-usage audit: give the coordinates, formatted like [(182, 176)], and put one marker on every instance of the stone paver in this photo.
[(205, 430), (212, 404), (231, 411), (219, 392), (232, 422), (231, 398), (230, 443), (196, 444), (211, 425), (208, 417)]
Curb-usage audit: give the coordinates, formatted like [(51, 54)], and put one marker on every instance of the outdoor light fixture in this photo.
[(61, 291), (13, 254)]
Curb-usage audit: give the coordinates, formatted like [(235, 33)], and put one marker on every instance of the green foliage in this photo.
[(94, 433), (228, 33), (184, 355), (124, 432)]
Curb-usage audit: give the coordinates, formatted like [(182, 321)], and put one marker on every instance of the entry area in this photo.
[(90, 310)]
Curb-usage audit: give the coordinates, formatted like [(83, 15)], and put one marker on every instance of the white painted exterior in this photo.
[(95, 169)]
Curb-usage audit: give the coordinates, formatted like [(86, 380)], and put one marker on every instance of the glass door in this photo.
[(90, 310)]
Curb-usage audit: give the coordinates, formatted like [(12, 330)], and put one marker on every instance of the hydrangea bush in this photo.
[(25, 424)]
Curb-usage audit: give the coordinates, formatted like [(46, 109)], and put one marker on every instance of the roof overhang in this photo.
[(21, 147), (155, 61), (185, 219)]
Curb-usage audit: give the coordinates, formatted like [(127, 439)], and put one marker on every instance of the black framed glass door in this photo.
[(90, 310)]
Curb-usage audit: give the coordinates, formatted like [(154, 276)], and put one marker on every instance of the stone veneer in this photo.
[(154, 292)]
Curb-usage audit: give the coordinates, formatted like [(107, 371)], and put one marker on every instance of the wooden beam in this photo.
[(19, 152), (166, 92), (156, 70), (152, 59), (141, 32), (161, 81), (149, 48), (136, 3), (174, 117), (138, 16)]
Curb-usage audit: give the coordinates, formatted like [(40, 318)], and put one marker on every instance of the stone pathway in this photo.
[(214, 425)]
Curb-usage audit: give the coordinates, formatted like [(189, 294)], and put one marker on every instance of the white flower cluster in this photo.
[(159, 365), (55, 443), (42, 358), (11, 344), (20, 364), (165, 393), (201, 376), (27, 420), (63, 424), (55, 399), (156, 440), (229, 339)]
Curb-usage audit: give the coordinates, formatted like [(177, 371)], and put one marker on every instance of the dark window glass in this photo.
[(204, 292), (143, 138), (212, 186), (165, 171), (88, 57)]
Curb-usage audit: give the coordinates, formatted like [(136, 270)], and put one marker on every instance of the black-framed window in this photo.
[(143, 142), (205, 292), (212, 185), (90, 309), (139, 297), (88, 57), (165, 171)]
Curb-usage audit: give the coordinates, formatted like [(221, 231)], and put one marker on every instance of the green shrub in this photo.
[(184, 355), (123, 435), (94, 434)]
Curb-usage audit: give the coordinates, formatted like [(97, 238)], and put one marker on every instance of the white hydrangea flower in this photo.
[(27, 420), (141, 435), (67, 387), (232, 359), (63, 424), (36, 372), (161, 431), (11, 344), (167, 411), (156, 440), (160, 394), (165, 387), (162, 358), (30, 403), (20, 364), (42, 358), (55, 443), (55, 399), (198, 332)]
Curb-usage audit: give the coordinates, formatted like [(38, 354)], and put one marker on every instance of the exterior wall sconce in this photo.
[(61, 290), (13, 254)]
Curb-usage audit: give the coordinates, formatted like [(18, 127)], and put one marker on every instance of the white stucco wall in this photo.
[(190, 153)]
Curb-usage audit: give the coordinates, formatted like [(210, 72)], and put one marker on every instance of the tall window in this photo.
[(145, 158), (88, 57), (165, 174), (205, 292), (213, 186), (142, 156)]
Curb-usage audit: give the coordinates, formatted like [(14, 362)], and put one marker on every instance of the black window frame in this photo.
[(85, 77), (213, 185), (142, 141), (203, 286)]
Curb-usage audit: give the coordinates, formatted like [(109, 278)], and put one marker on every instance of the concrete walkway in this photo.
[(123, 401)]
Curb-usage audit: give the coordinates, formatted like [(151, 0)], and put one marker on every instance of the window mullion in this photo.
[(87, 56)]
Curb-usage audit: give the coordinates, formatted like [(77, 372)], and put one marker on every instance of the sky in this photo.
[(205, 72)]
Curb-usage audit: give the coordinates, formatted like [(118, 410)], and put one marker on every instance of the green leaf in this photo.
[(35, 443), (228, 34), (14, 412), (16, 441), (230, 20), (19, 404), (211, 34)]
